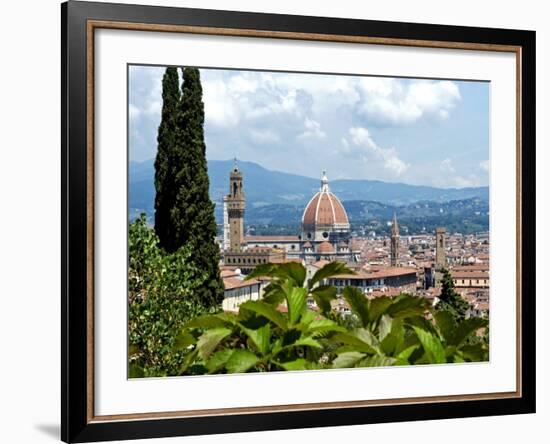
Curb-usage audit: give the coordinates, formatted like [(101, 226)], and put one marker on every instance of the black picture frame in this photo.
[(76, 423)]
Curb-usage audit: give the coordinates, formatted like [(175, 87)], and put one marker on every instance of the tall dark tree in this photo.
[(450, 300), (192, 216), (165, 166)]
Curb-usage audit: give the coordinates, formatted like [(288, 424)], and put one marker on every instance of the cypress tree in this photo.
[(192, 216), (450, 300), (164, 162)]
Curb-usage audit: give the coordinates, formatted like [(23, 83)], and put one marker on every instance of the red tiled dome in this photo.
[(324, 209), (325, 247)]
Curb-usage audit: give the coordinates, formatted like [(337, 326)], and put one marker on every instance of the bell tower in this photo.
[(394, 255), (235, 201), (440, 260)]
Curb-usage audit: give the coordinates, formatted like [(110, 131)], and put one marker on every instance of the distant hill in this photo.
[(272, 194), (465, 216)]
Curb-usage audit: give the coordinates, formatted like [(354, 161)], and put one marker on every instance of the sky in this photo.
[(415, 131)]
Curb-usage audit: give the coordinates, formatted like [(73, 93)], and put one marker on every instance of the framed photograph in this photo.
[(275, 221)]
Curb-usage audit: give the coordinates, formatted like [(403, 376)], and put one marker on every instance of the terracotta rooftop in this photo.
[(470, 275), (379, 273), (231, 283), (324, 209), (252, 239), (469, 268), (321, 263), (325, 247)]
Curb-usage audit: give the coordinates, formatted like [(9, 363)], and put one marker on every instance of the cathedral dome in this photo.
[(325, 248), (324, 210)]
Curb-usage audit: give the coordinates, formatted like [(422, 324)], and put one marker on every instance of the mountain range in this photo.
[(271, 193)]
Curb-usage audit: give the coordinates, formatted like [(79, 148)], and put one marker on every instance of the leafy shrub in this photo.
[(160, 300), (385, 331)]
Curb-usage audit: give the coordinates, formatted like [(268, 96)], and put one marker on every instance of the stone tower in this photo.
[(394, 258), (440, 260), (235, 202)]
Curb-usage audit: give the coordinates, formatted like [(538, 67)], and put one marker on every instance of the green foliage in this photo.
[(380, 332), (184, 213), (162, 297), (450, 301), (165, 161)]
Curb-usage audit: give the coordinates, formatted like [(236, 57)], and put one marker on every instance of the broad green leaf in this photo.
[(458, 359), (307, 341), (329, 270), (296, 302), (445, 323), (394, 341), (378, 306), (352, 340), (358, 303), (218, 360), (241, 361), (267, 311), (404, 306), (377, 361), (406, 354), (433, 349), (273, 294), (367, 337), (307, 318), (210, 339), (260, 337), (298, 364), (384, 326), (184, 340), (293, 271), (322, 326), (422, 323), (262, 270), (322, 296), (348, 359), (466, 328)]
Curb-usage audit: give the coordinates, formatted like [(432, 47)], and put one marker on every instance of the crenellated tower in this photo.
[(394, 254), (235, 203), (440, 259)]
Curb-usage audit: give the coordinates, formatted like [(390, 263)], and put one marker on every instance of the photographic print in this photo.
[(275, 221), (286, 221)]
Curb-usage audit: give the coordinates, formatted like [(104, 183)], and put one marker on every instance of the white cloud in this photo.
[(484, 165), (389, 158), (448, 176), (133, 111), (447, 166), (263, 136), (395, 102), (312, 130)]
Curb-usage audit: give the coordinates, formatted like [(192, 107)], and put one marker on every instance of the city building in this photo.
[(325, 231), (238, 290)]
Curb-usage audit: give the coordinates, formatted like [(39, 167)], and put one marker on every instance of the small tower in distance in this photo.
[(394, 254), (440, 260), (235, 202)]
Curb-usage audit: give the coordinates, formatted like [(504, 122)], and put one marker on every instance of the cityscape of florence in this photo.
[(285, 222)]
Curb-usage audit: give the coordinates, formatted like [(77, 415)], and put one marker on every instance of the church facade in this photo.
[(324, 234)]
